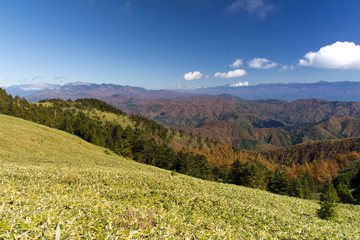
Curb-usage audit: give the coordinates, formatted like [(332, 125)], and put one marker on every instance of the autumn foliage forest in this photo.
[(298, 170)]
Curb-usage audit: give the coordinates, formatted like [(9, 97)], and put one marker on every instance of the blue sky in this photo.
[(179, 43)]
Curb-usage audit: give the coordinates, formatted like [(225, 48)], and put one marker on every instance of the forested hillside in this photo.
[(57, 186), (322, 160), (298, 172), (133, 136), (101, 124), (255, 124)]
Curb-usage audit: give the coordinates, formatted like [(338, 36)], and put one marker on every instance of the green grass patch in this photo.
[(122, 120), (54, 184)]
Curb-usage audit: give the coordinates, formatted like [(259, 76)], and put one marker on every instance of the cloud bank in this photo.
[(339, 55), (193, 75), (240, 84), (231, 74), (261, 63)]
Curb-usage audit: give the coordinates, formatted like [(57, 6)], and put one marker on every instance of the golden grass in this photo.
[(53, 180)]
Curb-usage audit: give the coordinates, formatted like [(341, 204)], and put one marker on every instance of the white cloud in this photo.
[(207, 76), (240, 84), (286, 68), (231, 74), (193, 75), (261, 63), (339, 55), (238, 63), (258, 8)]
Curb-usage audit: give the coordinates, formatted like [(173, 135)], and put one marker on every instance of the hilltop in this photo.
[(51, 178)]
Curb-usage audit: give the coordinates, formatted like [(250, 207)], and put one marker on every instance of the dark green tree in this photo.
[(279, 183), (306, 187), (356, 184), (296, 188), (328, 202), (250, 174), (344, 193)]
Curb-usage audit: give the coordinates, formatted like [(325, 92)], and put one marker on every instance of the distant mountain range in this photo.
[(334, 91), (251, 124), (25, 90), (36, 92)]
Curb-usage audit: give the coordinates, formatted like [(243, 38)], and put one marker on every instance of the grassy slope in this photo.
[(122, 120), (50, 178)]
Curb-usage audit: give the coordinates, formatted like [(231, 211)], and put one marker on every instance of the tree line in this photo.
[(150, 143), (145, 143)]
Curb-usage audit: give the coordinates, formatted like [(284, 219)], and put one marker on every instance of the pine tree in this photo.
[(328, 202), (344, 193), (296, 188), (250, 174), (306, 186), (279, 183)]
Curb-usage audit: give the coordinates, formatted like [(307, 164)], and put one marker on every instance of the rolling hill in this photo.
[(56, 184), (251, 124)]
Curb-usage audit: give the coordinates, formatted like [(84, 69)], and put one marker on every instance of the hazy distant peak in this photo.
[(334, 91), (37, 86), (28, 89)]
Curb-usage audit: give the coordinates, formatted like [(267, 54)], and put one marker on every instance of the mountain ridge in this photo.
[(89, 90), (242, 122), (251, 124), (333, 91)]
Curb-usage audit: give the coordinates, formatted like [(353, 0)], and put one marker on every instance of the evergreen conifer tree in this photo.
[(328, 202), (344, 193), (279, 183), (307, 190), (296, 188)]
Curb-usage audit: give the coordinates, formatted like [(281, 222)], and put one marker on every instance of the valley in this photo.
[(249, 124), (255, 124)]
